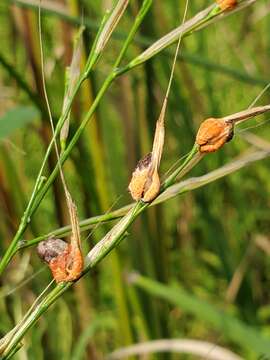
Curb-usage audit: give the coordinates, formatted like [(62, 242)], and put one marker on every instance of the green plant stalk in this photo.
[(170, 192), (94, 257), (202, 19), (37, 194), (111, 77), (26, 218), (13, 352), (145, 41), (100, 250), (50, 300), (105, 249), (118, 233), (29, 321), (120, 296), (156, 48), (193, 157), (111, 216)]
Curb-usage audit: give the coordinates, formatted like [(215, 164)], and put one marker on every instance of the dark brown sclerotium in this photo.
[(51, 248), (144, 162)]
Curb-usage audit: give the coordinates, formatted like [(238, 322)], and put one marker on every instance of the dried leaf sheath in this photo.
[(72, 74), (246, 114), (159, 138)]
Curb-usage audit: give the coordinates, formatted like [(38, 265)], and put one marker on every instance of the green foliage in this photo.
[(16, 119), (212, 243), (230, 327)]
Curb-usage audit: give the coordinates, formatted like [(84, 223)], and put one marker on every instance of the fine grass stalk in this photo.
[(205, 17), (31, 207)]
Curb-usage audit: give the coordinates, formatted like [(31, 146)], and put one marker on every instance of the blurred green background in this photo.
[(204, 256)]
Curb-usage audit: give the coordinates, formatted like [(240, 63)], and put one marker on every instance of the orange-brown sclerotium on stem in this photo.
[(226, 4), (145, 183), (64, 260), (213, 134)]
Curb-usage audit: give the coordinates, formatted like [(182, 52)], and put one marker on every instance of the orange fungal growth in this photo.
[(64, 260), (213, 134), (145, 183), (227, 4)]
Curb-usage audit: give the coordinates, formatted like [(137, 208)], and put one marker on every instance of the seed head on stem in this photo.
[(145, 181), (64, 259), (214, 133)]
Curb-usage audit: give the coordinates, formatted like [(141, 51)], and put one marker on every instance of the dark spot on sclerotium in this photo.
[(51, 248), (144, 162)]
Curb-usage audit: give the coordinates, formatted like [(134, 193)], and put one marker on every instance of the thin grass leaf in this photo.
[(170, 192), (202, 349), (234, 329), (16, 119), (110, 25)]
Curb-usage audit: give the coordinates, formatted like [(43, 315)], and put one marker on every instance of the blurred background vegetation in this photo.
[(204, 256)]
